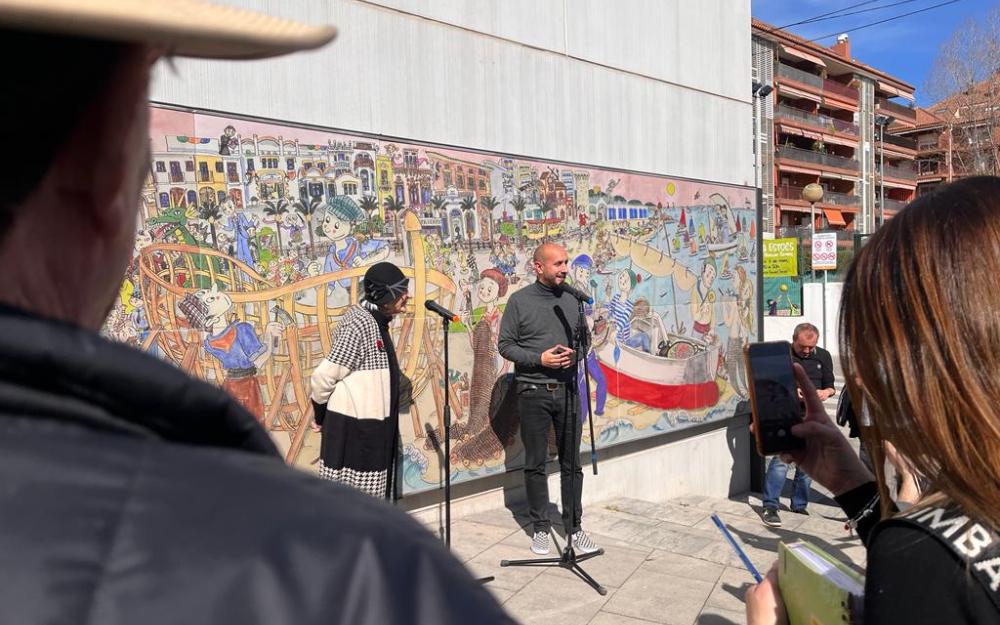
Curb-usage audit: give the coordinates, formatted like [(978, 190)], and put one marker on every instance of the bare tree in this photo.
[(964, 81)]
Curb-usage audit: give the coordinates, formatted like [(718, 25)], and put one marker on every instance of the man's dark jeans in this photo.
[(540, 406)]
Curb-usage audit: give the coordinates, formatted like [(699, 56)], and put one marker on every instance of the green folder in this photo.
[(816, 588)]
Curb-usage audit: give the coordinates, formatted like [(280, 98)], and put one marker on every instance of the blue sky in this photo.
[(905, 47)]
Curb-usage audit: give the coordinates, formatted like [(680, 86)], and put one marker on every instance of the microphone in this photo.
[(577, 293), (433, 306)]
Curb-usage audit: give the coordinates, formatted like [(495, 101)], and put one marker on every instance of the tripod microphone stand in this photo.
[(569, 560)]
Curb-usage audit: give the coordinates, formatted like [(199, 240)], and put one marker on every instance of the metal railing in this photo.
[(798, 75), (791, 192), (835, 87), (820, 121), (894, 205), (905, 173), (808, 156), (903, 142), (897, 110)]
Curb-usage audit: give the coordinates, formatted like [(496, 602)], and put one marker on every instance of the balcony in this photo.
[(789, 192), (833, 86), (901, 173), (829, 124), (894, 205), (819, 158), (903, 142), (898, 111), (787, 71)]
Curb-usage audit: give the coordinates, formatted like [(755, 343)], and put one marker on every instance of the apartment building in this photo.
[(827, 120)]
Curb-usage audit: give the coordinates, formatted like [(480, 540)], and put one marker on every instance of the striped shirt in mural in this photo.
[(621, 311)]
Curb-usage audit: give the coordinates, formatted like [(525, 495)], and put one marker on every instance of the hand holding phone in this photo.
[(774, 397)]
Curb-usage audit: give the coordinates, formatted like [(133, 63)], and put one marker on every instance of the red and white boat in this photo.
[(685, 378)]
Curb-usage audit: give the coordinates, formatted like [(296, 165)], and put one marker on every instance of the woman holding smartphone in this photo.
[(920, 332)]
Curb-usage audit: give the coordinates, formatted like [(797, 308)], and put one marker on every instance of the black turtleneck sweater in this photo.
[(537, 318)]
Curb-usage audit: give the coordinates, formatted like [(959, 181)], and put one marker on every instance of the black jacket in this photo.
[(130, 493)]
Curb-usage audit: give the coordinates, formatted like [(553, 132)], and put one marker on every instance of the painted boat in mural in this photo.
[(684, 378)]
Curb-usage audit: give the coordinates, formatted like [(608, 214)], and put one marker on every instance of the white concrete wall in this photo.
[(780, 328), (711, 464), (649, 85)]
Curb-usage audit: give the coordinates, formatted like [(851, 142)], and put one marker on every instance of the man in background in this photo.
[(818, 365)]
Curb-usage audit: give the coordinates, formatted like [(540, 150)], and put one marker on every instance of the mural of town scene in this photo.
[(253, 238)]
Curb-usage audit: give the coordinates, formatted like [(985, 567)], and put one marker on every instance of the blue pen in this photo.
[(739, 551)]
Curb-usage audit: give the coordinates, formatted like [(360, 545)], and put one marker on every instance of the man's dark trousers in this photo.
[(542, 405)]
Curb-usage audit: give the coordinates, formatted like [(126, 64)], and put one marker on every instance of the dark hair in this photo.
[(41, 107)]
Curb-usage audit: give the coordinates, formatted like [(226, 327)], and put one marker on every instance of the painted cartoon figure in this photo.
[(233, 343), (341, 215), (581, 270), (621, 307), (242, 228), (228, 144)]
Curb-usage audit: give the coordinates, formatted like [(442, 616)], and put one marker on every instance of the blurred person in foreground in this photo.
[(920, 329), (130, 492)]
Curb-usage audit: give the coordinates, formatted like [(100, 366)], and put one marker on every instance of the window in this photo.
[(315, 189), (290, 164), (192, 198), (621, 213), (414, 195), (482, 172), (384, 178), (175, 172), (611, 213), (322, 166), (219, 166), (482, 184), (632, 213), (189, 165), (161, 167), (222, 196), (331, 189), (307, 165), (203, 172), (350, 188), (365, 184), (164, 200), (232, 174), (447, 179), (461, 182), (250, 166)]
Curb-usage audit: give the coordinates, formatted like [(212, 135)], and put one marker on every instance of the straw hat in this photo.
[(185, 27)]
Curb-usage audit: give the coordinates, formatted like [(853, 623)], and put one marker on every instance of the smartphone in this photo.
[(774, 396)]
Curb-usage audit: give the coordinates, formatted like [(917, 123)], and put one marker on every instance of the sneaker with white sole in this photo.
[(582, 543), (540, 543)]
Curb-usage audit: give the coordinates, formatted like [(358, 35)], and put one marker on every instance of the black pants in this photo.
[(540, 406)]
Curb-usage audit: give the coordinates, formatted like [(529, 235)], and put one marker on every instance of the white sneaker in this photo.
[(582, 543), (540, 543)]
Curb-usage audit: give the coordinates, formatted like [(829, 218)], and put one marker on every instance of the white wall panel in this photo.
[(680, 107)]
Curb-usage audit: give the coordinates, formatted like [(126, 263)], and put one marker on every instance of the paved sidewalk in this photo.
[(664, 563)]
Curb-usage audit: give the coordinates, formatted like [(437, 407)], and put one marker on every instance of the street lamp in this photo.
[(882, 121), (760, 91), (812, 193)]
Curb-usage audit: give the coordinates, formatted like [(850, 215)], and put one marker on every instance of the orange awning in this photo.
[(801, 54), (798, 93), (834, 217), (894, 91)]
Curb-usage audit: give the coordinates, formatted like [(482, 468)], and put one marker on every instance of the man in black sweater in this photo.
[(537, 326), (818, 365)]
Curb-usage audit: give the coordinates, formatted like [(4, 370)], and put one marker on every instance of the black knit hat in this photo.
[(384, 282)]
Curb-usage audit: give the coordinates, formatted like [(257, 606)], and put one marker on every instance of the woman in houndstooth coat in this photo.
[(355, 390)]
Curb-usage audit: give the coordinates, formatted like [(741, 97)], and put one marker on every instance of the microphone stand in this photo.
[(569, 560), (445, 324)]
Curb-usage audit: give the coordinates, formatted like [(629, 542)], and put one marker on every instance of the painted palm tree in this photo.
[(395, 208), (370, 205), (276, 210), (468, 208), (210, 212), (519, 205), (489, 203), (307, 207)]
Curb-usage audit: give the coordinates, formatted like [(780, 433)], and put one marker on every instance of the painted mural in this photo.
[(253, 238)]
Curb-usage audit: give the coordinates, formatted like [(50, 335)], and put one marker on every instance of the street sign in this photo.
[(824, 250)]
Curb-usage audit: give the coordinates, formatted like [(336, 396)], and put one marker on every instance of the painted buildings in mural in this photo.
[(251, 245)]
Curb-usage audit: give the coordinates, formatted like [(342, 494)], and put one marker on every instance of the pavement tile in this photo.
[(681, 515), (550, 600), (512, 578), (719, 616), (469, 539), (660, 598), (729, 590), (610, 570), (609, 618), (668, 563)]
